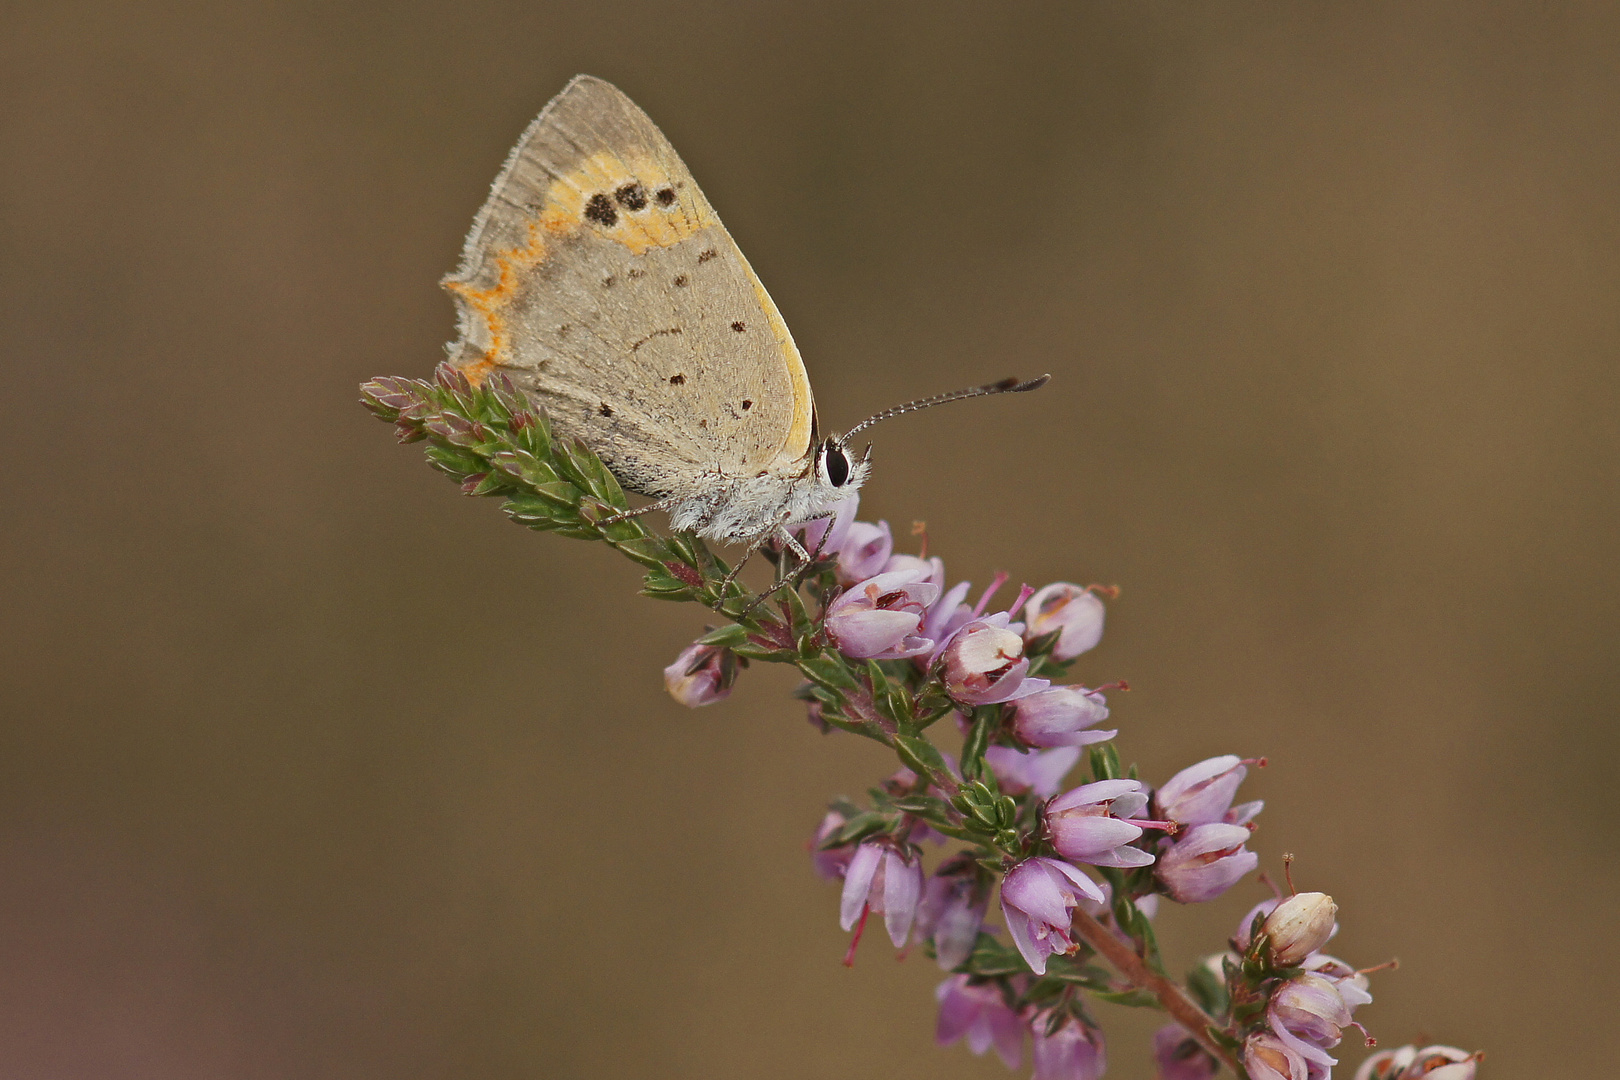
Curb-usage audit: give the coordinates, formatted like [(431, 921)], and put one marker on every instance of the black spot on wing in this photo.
[(739, 326), (747, 404), (677, 380), (605, 409), (600, 210), (681, 281), (631, 196), (665, 196), (707, 255)]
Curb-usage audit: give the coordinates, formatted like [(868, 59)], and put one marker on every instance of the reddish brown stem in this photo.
[(1182, 1008)]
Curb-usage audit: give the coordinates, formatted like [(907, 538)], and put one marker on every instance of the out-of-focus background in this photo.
[(311, 768)]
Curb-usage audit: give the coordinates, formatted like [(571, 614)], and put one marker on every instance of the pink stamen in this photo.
[(1387, 965), (984, 601), (1288, 872), (1171, 827), (1024, 593), (860, 928), (1365, 1034), (1107, 592), (1108, 688)]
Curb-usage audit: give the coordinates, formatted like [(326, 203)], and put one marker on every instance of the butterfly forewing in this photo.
[(600, 280)]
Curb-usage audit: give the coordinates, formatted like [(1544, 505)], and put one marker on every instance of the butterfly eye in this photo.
[(836, 464)]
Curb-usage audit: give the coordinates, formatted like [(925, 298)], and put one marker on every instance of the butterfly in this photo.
[(600, 281)]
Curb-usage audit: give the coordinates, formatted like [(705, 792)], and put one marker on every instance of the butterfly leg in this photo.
[(626, 515), (806, 559), (753, 546)]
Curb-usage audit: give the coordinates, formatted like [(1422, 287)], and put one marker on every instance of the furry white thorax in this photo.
[(734, 509)]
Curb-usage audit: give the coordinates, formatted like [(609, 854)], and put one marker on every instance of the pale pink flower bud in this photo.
[(1179, 1057), (1037, 897), (1298, 926), (985, 663), (885, 881), (1266, 1058), (978, 1012), (1060, 716), (1203, 792), (878, 618), (1069, 608), (1091, 824), (1074, 1051), (1019, 772), (1204, 862), (701, 675), (865, 552)]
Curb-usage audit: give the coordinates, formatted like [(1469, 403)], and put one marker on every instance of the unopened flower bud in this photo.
[(701, 675), (985, 663), (1075, 611), (1266, 1058), (1298, 926), (1204, 862), (1060, 716)]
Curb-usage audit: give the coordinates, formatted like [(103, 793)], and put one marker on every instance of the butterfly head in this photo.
[(838, 471)]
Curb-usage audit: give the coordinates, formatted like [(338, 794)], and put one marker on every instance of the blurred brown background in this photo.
[(312, 768)]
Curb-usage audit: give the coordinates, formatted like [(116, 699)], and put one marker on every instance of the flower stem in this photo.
[(1182, 1008)]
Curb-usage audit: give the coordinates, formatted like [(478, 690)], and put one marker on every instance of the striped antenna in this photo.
[(1005, 386)]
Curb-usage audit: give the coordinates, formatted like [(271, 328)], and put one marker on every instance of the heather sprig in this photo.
[(889, 652)]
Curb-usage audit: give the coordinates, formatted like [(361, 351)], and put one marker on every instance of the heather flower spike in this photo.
[(885, 650)]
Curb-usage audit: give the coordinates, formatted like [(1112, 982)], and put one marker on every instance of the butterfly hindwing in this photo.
[(600, 280)]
